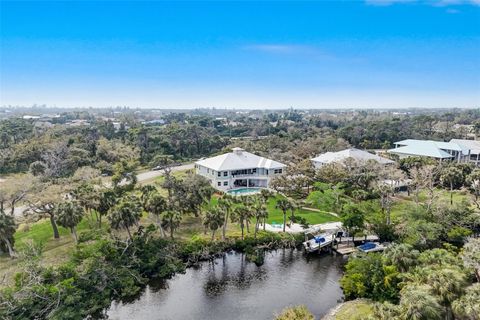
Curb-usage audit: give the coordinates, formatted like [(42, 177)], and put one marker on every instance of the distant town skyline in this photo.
[(247, 54)]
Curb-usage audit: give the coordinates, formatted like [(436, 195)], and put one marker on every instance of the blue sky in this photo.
[(316, 54)]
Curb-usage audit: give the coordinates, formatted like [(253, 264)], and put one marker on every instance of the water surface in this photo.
[(231, 288)]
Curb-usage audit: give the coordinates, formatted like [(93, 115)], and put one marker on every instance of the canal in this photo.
[(231, 288)]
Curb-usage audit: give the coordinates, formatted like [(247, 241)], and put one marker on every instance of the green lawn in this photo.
[(41, 232), (160, 179), (276, 215), (354, 310), (407, 203), (312, 217), (56, 251)]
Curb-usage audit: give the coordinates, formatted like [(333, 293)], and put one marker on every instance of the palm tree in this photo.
[(448, 284), (386, 311), (264, 217), (451, 176), (213, 219), (259, 212), (156, 205), (294, 205), (283, 204), (107, 200), (476, 129), (172, 219), (240, 214), (69, 214), (226, 204), (126, 214), (403, 256), (7, 230), (146, 191), (467, 306), (417, 303), (471, 254), (265, 194), (248, 202), (88, 197)]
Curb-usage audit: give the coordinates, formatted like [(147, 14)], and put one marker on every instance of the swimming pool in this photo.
[(243, 191)]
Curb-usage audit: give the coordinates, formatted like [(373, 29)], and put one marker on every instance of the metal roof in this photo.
[(237, 160), (358, 155), (473, 145), (427, 148)]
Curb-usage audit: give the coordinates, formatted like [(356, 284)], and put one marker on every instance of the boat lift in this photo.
[(319, 237)]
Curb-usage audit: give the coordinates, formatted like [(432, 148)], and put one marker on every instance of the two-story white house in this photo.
[(239, 169), (442, 151)]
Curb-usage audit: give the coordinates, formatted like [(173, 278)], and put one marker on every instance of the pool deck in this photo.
[(243, 191)]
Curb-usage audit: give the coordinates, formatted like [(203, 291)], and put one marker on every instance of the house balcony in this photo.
[(248, 175)]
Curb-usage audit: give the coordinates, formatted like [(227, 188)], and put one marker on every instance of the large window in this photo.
[(244, 171), (277, 171), (225, 173), (219, 184), (219, 173), (225, 183)]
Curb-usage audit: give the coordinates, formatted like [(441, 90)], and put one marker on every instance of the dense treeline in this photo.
[(185, 136), (61, 167), (105, 268)]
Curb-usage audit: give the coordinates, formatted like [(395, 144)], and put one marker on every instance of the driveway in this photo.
[(157, 173)]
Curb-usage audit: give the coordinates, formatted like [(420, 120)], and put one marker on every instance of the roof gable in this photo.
[(357, 154), (429, 148), (237, 160)]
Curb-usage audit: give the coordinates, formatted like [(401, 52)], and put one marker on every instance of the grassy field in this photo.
[(354, 310), (407, 203), (56, 251), (276, 215), (160, 179), (312, 217)]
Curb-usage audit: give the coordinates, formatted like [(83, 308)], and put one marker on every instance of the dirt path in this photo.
[(153, 174)]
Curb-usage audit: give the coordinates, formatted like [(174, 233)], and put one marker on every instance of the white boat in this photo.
[(315, 243), (371, 247)]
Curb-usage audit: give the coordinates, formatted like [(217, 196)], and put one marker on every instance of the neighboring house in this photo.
[(473, 146), (443, 151), (238, 169), (154, 122), (357, 155)]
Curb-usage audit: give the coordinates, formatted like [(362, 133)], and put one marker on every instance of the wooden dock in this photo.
[(357, 239), (344, 248), (346, 245)]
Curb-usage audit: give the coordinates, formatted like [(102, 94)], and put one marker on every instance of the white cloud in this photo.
[(435, 3), (444, 3)]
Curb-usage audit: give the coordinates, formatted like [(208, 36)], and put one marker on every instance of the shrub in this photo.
[(295, 313)]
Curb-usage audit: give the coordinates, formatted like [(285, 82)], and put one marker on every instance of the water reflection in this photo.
[(231, 288)]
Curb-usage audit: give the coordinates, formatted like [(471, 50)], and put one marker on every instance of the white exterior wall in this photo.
[(475, 159), (229, 179), (458, 156)]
